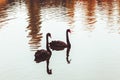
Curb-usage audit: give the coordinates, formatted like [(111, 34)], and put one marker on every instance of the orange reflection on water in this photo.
[(90, 14), (70, 5), (111, 9), (3, 2), (3, 12), (34, 24)]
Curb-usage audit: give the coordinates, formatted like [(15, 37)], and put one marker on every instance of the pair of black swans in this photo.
[(44, 55)]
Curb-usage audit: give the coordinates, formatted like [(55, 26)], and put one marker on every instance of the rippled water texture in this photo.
[(95, 39)]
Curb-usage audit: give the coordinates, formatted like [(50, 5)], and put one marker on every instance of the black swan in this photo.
[(60, 45), (44, 55)]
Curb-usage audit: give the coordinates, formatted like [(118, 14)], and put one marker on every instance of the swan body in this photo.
[(44, 55), (57, 45), (60, 45)]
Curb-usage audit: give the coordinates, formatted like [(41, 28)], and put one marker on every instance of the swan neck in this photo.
[(67, 38), (47, 46)]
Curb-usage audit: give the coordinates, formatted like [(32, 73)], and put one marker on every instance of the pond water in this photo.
[(95, 39)]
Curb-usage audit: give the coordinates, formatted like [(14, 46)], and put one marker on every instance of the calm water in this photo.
[(95, 40)]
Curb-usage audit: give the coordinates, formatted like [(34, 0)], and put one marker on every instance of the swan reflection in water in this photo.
[(44, 55), (61, 45), (67, 55)]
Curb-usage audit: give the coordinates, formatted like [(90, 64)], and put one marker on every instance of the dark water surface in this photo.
[(95, 39)]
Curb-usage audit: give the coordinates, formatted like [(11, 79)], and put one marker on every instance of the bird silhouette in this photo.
[(60, 45), (44, 55)]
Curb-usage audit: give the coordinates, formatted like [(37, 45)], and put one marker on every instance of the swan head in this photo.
[(48, 34), (68, 30)]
